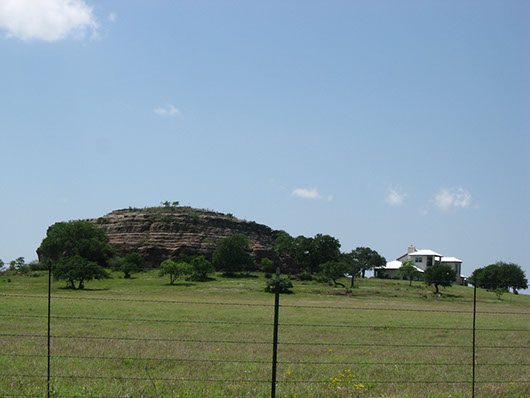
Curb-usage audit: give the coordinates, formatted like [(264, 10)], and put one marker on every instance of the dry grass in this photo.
[(331, 345)]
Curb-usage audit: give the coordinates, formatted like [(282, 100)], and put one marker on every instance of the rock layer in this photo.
[(160, 233)]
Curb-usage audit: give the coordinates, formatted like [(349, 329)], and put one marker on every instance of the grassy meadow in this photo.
[(142, 337)]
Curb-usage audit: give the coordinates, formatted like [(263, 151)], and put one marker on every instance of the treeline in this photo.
[(80, 252)]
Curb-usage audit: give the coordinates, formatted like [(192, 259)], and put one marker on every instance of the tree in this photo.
[(334, 270), (267, 266), (232, 254), (1, 264), (409, 271), (20, 262), (512, 276), (500, 275), (367, 259), (174, 270), (200, 268), (284, 244), (439, 275), (77, 269), (79, 250), (132, 263), (325, 249), (66, 239)]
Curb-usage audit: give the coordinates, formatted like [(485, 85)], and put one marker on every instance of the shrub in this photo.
[(285, 285), (133, 263), (267, 266), (174, 270), (304, 276), (200, 268)]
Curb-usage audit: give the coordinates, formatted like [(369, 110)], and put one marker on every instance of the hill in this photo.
[(159, 233)]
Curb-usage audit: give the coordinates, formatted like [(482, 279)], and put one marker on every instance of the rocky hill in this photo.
[(159, 233)]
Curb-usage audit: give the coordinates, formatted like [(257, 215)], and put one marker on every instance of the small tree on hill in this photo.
[(232, 255), (174, 270), (74, 269), (409, 271), (439, 275)]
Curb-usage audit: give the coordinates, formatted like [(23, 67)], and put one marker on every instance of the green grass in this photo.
[(196, 352)]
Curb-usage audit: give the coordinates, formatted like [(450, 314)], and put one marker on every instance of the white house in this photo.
[(422, 259)]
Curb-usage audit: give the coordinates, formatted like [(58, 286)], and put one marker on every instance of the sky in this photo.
[(381, 123)]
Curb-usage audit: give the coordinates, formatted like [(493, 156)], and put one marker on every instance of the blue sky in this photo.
[(381, 123)]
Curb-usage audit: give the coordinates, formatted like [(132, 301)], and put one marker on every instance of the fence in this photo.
[(450, 346)]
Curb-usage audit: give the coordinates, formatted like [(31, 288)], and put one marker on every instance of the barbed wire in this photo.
[(161, 359), (331, 344), (241, 380), (269, 305), (260, 323)]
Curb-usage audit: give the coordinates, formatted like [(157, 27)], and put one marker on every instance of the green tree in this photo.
[(68, 242), (20, 262), (82, 238), (284, 244), (366, 259), (325, 249), (500, 275), (1, 264), (232, 255), (334, 270), (77, 269), (132, 263), (174, 270), (200, 268), (268, 267), (439, 275), (409, 271)]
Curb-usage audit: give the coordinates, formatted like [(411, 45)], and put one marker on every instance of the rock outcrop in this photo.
[(159, 233)]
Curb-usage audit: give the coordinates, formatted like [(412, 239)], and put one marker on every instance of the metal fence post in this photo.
[(49, 322), (474, 319), (275, 335)]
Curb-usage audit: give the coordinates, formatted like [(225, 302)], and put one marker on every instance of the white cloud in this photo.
[(47, 20), (310, 193), (306, 193), (112, 17), (395, 197), (447, 199), (168, 110)]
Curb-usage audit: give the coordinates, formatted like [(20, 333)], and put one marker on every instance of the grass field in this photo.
[(142, 337)]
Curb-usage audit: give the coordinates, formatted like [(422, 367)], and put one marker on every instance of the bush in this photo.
[(133, 263), (174, 270), (304, 276), (200, 268), (285, 285), (267, 266)]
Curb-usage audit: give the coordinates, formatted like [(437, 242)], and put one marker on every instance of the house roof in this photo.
[(424, 253), (396, 265), (450, 260), (393, 265)]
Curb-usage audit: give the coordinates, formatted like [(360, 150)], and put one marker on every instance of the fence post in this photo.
[(474, 318), (49, 322), (275, 335)]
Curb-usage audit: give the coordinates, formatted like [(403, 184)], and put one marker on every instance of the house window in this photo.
[(418, 260)]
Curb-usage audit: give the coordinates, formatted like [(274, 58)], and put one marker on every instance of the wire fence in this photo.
[(283, 343)]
